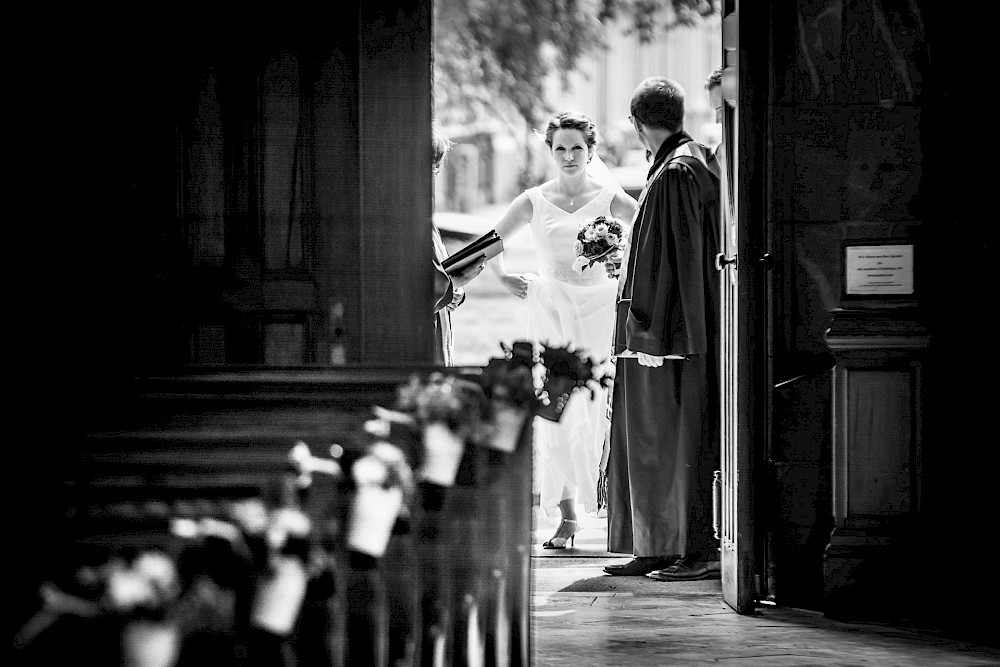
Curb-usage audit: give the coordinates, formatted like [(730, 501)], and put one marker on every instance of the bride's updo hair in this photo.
[(572, 120)]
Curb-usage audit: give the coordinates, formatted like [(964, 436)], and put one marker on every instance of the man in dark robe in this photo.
[(666, 412)]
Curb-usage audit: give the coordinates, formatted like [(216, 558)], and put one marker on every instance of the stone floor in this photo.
[(581, 616)]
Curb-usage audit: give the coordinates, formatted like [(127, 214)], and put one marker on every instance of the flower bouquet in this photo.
[(599, 241), (566, 371)]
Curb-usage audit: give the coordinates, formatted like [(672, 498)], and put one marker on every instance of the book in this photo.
[(487, 246)]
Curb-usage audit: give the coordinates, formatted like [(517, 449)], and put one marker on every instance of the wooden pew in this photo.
[(453, 585)]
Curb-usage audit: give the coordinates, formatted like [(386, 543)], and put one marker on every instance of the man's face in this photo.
[(715, 99), (637, 126)]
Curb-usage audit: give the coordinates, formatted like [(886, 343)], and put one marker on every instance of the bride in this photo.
[(568, 309)]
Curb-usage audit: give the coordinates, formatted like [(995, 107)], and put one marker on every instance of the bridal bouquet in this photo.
[(599, 241)]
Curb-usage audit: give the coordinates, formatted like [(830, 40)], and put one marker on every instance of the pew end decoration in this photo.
[(566, 371)]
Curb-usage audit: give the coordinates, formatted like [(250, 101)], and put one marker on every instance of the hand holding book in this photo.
[(486, 247)]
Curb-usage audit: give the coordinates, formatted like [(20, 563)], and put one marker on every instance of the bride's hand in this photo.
[(613, 264), (516, 283)]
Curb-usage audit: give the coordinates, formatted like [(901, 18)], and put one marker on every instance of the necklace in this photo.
[(572, 198)]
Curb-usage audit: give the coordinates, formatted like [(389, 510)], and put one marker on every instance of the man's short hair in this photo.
[(714, 79), (659, 102)]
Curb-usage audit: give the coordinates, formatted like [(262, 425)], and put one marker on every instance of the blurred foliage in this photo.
[(645, 16), (493, 56)]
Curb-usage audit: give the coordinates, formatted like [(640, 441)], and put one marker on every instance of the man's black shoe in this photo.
[(688, 569), (640, 565)]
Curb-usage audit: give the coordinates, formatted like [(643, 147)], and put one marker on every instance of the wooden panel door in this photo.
[(304, 189), (745, 311), (250, 266)]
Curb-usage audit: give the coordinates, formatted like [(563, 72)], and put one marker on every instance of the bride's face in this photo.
[(570, 151)]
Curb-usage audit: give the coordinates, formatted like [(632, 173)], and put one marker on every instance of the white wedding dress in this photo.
[(570, 310)]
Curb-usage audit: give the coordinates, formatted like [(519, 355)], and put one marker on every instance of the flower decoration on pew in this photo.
[(144, 592), (454, 402), (306, 465), (448, 412), (242, 572), (281, 587), (383, 465), (510, 380), (383, 483), (566, 371), (509, 385), (146, 586), (263, 555)]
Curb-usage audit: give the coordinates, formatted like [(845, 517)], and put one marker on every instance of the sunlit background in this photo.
[(592, 63)]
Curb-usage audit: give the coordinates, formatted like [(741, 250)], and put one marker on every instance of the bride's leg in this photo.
[(567, 506), (567, 527)]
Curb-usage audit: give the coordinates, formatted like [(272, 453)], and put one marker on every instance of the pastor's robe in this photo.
[(665, 421), (447, 298)]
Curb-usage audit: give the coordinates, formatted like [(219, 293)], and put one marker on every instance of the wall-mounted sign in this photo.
[(878, 270)]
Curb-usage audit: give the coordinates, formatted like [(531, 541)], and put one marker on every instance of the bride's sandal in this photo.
[(566, 531)]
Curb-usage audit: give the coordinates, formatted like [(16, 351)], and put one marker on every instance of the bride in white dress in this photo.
[(568, 309)]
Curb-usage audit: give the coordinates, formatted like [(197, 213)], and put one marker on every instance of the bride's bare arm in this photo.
[(623, 208), (515, 218)]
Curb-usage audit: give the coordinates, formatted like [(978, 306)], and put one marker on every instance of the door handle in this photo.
[(768, 261), (721, 261)]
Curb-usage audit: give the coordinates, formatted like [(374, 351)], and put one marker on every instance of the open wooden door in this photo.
[(745, 310)]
